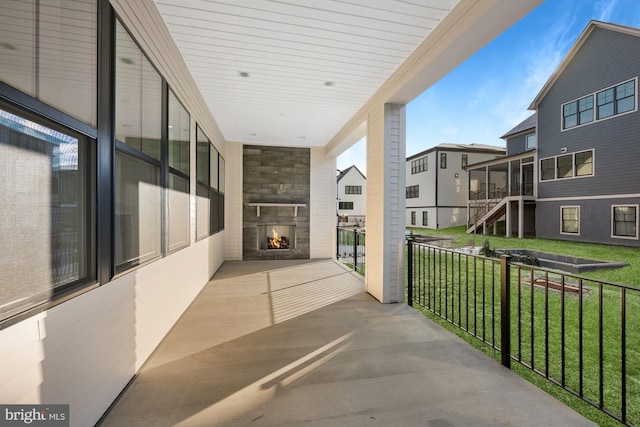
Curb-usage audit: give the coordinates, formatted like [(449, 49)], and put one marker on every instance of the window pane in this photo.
[(178, 135), (213, 168), (45, 223), (624, 220), (625, 95), (178, 200), (584, 163), (137, 212), (570, 220), (547, 169), (565, 166), (138, 97), (18, 45), (202, 212), (202, 157), (221, 173), (68, 57), (531, 141), (605, 103)]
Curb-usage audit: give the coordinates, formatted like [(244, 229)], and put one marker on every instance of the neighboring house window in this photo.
[(548, 169), (564, 166), (532, 141), (584, 163), (425, 218), (419, 165), (624, 221), (618, 99), (573, 165), (345, 205), (443, 160), (352, 189), (570, 220), (413, 192), (413, 217), (465, 160)]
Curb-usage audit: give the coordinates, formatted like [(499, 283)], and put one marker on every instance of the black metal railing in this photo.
[(579, 333), (350, 248)]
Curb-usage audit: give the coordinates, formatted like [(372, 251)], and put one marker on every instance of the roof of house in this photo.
[(525, 125), (574, 50), (477, 148), (346, 171)]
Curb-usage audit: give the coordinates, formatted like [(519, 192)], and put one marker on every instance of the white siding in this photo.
[(323, 207), (233, 202)]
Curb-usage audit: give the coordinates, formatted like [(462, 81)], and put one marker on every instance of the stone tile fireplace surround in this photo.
[(276, 188)]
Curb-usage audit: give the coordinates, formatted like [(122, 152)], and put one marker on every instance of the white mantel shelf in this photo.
[(295, 206)]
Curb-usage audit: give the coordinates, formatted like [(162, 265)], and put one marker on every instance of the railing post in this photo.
[(410, 271), (338, 242), (355, 250), (505, 310)]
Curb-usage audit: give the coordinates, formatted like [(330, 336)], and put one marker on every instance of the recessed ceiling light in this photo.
[(7, 46), (127, 61), (243, 74), (329, 83), (252, 134), (302, 137)]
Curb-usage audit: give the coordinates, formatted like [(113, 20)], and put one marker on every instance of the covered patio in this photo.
[(300, 343)]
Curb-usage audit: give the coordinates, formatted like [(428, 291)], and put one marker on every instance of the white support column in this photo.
[(507, 222), (521, 218), (386, 136)]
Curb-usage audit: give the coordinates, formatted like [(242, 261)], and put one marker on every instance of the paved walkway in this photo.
[(301, 344)]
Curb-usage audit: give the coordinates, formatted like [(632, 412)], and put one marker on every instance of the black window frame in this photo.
[(353, 189), (420, 165), (413, 192), (345, 206)]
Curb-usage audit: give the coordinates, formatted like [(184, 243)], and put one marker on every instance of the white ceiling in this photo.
[(316, 67), (312, 64)]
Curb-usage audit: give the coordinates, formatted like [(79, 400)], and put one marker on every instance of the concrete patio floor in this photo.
[(289, 343)]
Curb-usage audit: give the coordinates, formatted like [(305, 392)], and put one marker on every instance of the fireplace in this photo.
[(276, 237)]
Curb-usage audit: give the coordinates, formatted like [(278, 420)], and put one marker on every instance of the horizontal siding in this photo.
[(595, 220), (616, 140)]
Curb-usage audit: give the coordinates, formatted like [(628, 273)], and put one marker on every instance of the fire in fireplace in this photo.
[(276, 241), (276, 237)]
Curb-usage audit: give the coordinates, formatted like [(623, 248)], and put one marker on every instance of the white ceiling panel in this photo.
[(311, 64)]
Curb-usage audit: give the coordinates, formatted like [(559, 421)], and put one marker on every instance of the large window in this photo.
[(574, 165), (352, 189), (624, 221), (210, 170), (47, 215), (138, 191), (345, 205), (419, 165), (413, 191), (49, 52), (570, 220), (618, 99), (178, 194)]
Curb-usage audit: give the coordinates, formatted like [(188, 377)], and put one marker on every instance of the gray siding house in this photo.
[(584, 140), (589, 140)]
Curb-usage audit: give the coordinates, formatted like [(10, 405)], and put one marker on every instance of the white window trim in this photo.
[(613, 236), (569, 207), (595, 106), (526, 141), (573, 163)]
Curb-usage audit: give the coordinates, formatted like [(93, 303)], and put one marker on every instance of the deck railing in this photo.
[(350, 248), (579, 333)]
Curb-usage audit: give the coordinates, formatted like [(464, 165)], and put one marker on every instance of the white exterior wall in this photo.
[(323, 207), (453, 192), (233, 202), (84, 351), (353, 177)]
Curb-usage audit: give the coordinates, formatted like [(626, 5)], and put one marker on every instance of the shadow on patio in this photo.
[(301, 343)]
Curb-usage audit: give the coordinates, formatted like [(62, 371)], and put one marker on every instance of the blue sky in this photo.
[(489, 94)]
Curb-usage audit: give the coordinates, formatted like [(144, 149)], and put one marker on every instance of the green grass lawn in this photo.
[(453, 277)]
